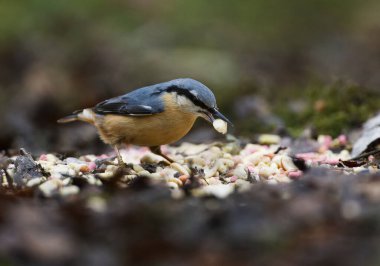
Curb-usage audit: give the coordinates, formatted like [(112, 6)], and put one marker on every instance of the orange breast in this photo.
[(151, 130)]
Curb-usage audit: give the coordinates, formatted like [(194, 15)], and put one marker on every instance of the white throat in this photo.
[(186, 104)]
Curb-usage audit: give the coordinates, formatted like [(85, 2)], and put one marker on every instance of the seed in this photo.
[(172, 185), (138, 168), (266, 171), (240, 172), (220, 126), (174, 180), (256, 158), (69, 190), (183, 178), (287, 164), (179, 168), (49, 187), (269, 139)]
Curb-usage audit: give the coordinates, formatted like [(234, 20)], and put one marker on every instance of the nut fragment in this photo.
[(179, 168), (220, 126), (288, 164), (269, 139)]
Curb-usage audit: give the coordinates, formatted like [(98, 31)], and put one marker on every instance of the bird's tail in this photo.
[(86, 115)]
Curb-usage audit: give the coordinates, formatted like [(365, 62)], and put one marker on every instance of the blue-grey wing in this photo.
[(144, 101)]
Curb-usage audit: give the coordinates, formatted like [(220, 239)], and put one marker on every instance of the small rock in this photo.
[(26, 169)]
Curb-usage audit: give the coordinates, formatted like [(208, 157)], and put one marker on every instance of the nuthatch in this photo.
[(151, 116)]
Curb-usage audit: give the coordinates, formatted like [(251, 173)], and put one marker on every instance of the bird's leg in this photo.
[(157, 150), (119, 158)]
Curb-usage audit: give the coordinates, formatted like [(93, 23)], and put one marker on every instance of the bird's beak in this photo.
[(215, 114)]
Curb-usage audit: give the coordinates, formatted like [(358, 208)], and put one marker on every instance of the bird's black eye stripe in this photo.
[(189, 95)]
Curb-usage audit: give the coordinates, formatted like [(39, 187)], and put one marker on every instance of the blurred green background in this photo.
[(272, 64)]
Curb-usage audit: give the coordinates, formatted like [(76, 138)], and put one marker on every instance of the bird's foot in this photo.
[(121, 164), (157, 150)]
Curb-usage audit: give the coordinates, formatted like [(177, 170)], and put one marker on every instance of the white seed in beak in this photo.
[(220, 126)]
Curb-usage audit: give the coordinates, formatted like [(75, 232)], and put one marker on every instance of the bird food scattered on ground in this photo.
[(217, 169)]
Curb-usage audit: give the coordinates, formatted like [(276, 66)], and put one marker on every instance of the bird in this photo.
[(151, 116)]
